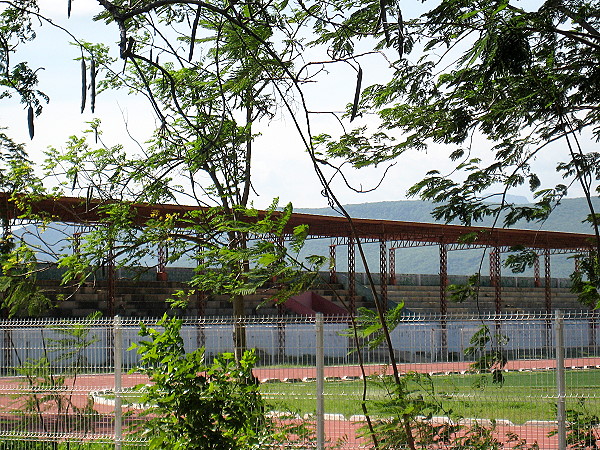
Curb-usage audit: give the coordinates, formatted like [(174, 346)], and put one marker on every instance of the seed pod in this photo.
[(193, 36), (356, 94), (69, 8), (30, 121), (83, 84), (88, 198), (93, 85)]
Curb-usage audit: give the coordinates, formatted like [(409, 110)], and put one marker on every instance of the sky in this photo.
[(281, 166)]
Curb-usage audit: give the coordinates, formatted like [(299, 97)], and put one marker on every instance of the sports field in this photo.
[(523, 397)]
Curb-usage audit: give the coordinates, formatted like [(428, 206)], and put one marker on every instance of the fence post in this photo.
[(560, 381), (118, 362), (320, 381)]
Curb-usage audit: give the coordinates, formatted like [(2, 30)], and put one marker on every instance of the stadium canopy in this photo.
[(390, 235)]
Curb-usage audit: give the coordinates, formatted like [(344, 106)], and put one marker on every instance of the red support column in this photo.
[(279, 241), (201, 300), (383, 271), (161, 273), (332, 271), (77, 249), (443, 279), (444, 298), (77, 243), (495, 278), (547, 281), (393, 266), (201, 296), (351, 275), (536, 272)]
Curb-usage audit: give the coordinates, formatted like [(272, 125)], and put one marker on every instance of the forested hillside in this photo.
[(567, 216)]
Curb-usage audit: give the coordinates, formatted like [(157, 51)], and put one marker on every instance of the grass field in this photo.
[(523, 396)]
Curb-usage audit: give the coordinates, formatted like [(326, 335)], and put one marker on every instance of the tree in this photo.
[(491, 75), (206, 103), (206, 106), (210, 70)]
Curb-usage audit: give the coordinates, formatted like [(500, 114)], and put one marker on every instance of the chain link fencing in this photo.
[(515, 379)]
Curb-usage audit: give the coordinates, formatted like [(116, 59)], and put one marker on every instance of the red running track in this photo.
[(335, 429)]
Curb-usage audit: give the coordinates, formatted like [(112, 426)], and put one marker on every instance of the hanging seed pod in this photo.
[(69, 8), (193, 36), (356, 94), (83, 84), (30, 121), (88, 198), (400, 34), (93, 85)]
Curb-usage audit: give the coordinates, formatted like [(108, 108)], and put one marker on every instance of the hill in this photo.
[(567, 216)]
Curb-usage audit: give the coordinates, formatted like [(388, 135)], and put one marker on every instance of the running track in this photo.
[(335, 428)]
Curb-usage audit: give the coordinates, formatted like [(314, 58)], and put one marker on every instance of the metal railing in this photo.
[(534, 376)]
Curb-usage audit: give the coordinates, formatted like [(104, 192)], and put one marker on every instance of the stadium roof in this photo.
[(81, 211)]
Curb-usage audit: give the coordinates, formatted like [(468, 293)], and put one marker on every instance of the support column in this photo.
[(443, 279), (393, 266), (77, 249), (201, 296), (161, 272), (351, 275), (383, 271), (443, 300), (547, 281), (76, 243), (332, 271), (536, 272), (111, 280), (495, 278), (201, 299), (278, 241), (280, 335)]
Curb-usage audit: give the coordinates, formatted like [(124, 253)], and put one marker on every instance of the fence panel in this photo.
[(496, 375)]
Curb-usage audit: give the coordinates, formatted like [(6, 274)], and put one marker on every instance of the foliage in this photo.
[(487, 348), (222, 72), (51, 380), (369, 328), (42, 445), (491, 76), (198, 405), (521, 78), (18, 264), (582, 426), (585, 281), (524, 79), (463, 292), (419, 400), (521, 259)]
